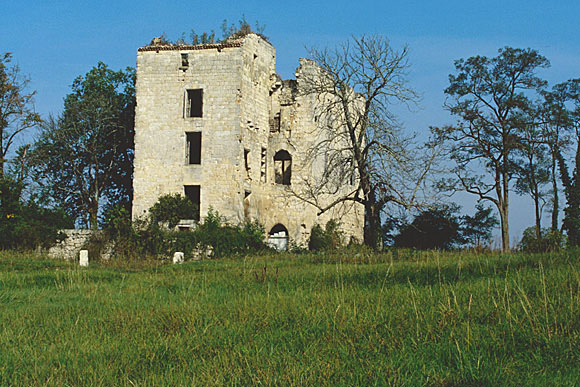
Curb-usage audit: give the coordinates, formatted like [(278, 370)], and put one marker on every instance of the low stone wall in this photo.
[(69, 247)]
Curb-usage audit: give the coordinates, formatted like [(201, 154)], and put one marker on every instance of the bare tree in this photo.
[(490, 96), (16, 106), (366, 159)]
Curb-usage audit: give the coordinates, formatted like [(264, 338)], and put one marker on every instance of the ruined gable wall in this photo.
[(298, 133), (259, 60)]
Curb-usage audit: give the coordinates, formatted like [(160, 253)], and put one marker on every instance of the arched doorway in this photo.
[(278, 237)]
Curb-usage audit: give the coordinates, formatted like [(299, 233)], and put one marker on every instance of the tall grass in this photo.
[(347, 318)]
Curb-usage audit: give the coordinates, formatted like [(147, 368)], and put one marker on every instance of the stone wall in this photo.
[(161, 165), (69, 247)]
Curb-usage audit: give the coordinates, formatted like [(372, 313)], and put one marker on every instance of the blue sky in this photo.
[(56, 41)]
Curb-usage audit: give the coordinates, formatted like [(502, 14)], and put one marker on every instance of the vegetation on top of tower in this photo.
[(229, 32)]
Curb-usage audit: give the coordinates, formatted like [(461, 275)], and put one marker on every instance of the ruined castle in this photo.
[(216, 123)]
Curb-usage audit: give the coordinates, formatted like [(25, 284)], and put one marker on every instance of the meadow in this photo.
[(345, 318)]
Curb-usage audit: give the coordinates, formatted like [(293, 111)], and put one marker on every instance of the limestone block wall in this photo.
[(69, 247), (161, 164), (298, 133)]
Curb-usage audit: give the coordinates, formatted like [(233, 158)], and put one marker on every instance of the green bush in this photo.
[(171, 209), (147, 238), (550, 240), (325, 239), (226, 239), (118, 222)]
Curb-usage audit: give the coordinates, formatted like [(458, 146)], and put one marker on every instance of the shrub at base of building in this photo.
[(329, 238), (156, 237)]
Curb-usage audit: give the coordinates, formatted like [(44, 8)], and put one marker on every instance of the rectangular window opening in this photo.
[(194, 147), (263, 166), (184, 60), (247, 161), (193, 193), (194, 103), (275, 124), (283, 171)]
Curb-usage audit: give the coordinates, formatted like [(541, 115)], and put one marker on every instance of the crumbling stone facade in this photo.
[(216, 123), (70, 246)]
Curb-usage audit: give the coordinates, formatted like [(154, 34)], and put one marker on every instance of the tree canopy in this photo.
[(16, 106), (490, 98), (84, 158)]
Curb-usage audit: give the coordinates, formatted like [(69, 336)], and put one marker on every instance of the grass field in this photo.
[(399, 318)]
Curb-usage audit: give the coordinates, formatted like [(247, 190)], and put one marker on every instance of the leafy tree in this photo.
[(16, 106), (435, 228), (84, 158), (477, 229), (490, 97), (367, 159), (532, 168), (554, 122), (27, 224), (571, 181)]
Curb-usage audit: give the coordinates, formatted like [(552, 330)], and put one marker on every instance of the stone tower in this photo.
[(215, 123)]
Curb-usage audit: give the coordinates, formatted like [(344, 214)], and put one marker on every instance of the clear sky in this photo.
[(55, 41)]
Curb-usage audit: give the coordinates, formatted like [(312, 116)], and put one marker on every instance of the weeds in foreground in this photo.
[(356, 318)]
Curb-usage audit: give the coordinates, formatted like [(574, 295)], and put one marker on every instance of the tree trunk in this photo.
[(93, 219), (505, 235), (572, 216), (1, 155), (94, 211), (555, 204), (372, 226), (504, 214), (537, 208)]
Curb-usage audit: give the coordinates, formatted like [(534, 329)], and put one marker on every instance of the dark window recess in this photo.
[(247, 161), (184, 60), (194, 103), (275, 123), (350, 171), (263, 165), (283, 167), (192, 192), (193, 147)]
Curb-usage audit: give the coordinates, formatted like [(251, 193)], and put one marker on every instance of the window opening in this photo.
[(184, 60), (193, 193), (283, 167), (263, 165), (350, 171), (275, 124), (246, 161), (194, 103), (193, 147)]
